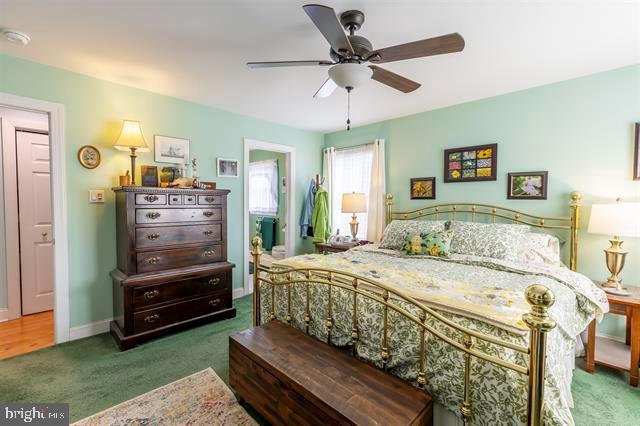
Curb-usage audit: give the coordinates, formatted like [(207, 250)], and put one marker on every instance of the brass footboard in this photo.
[(537, 319)]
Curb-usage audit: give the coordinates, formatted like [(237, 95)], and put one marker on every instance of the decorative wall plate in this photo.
[(89, 156)]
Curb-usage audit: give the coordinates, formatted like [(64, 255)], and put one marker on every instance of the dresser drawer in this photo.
[(171, 235), (151, 199), (175, 199), (181, 311), (159, 260), (178, 215), (188, 199), (209, 199), (143, 297)]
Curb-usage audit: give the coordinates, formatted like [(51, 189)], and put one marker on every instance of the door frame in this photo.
[(55, 112), (290, 151)]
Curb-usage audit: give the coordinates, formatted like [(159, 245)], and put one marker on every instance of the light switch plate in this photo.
[(96, 196)]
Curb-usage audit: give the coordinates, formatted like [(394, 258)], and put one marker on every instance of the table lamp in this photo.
[(131, 139), (617, 220), (354, 202)]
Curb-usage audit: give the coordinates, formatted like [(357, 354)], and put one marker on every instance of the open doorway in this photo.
[(26, 231), (269, 184)]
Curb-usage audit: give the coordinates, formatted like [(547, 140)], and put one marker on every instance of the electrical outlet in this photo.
[(96, 196)]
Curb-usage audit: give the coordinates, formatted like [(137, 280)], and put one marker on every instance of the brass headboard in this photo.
[(449, 210)]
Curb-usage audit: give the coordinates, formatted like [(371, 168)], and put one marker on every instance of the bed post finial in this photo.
[(576, 204), (540, 298), (256, 252), (389, 202)]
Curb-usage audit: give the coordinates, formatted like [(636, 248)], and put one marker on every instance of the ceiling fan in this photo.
[(350, 53)]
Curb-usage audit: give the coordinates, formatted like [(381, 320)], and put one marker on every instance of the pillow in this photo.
[(395, 232), (496, 240), (434, 243), (540, 248)]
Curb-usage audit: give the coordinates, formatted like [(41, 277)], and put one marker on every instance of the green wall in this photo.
[(580, 130), (94, 110), (259, 155)]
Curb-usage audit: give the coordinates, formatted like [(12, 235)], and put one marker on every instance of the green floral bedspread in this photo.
[(482, 294)]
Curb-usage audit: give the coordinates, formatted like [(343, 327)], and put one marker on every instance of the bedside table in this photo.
[(325, 248), (611, 353)]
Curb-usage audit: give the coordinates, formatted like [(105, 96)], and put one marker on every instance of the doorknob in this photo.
[(44, 236)]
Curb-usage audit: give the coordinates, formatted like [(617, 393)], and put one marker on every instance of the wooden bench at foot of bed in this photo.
[(291, 378)]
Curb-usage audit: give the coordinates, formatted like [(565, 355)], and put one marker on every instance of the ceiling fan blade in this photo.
[(276, 64), (394, 80), (449, 43), (327, 22), (326, 89)]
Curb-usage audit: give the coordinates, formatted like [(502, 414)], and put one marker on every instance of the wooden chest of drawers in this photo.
[(172, 261)]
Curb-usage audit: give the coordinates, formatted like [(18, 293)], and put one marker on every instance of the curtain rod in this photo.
[(353, 146)]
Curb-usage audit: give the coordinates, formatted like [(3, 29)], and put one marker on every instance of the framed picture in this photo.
[(423, 188), (636, 155), (527, 186), (227, 168), (471, 163), (149, 175), (171, 150), (169, 174)]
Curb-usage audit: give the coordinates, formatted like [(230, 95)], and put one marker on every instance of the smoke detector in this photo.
[(16, 36)]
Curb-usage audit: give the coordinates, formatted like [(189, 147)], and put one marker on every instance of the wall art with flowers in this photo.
[(423, 188), (527, 186), (471, 163)]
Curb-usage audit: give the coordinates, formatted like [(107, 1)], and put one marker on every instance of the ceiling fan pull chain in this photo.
[(348, 108)]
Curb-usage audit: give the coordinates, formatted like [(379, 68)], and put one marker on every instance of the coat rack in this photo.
[(319, 181)]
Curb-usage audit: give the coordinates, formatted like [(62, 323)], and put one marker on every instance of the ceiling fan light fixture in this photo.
[(350, 74)]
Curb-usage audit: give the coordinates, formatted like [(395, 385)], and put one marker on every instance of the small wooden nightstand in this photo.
[(610, 356), (325, 248)]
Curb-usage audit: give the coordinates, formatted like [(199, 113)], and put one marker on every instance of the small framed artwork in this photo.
[(423, 188), (168, 175), (149, 175), (636, 155), (471, 163), (171, 150), (227, 168), (527, 186)]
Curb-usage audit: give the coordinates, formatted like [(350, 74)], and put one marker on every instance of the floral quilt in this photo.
[(486, 295)]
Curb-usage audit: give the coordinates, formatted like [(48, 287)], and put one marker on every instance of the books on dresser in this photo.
[(172, 262)]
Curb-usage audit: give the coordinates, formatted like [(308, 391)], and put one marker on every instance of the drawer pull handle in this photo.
[(215, 301), (153, 236), (175, 198), (209, 199), (151, 198), (207, 213), (214, 281), (153, 260), (209, 253), (151, 318), (189, 199), (153, 215), (208, 233), (151, 294)]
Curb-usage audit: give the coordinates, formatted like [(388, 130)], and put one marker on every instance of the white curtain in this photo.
[(351, 172), (377, 190), (327, 173), (263, 187)]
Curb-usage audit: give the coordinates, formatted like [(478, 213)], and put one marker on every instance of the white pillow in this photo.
[(395, 232), (540, 248)]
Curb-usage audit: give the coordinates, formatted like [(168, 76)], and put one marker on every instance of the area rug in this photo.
[(199, 399)]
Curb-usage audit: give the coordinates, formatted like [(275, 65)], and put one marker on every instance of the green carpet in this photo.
[(91, 374)]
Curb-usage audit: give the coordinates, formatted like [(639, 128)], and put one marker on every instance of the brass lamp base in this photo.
[(615, 257), (354, 228)]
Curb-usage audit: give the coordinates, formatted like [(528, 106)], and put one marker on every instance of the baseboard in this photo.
[(238, 292), (4, 314), (620, 339), (87, 330)]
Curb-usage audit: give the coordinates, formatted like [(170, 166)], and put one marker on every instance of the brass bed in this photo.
[(465, 340)]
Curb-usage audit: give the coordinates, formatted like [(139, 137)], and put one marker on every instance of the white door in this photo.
[(34, 206)]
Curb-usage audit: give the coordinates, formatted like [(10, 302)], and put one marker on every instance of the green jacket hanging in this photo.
[(320, 216)]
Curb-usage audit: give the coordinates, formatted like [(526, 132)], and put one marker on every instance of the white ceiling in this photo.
[(197, 49)]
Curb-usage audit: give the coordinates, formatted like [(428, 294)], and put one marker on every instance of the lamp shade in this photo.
[(131, 137), (615, 219), (354, 202), (350, 75)]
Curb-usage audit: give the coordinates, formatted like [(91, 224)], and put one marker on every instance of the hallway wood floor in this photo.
[(26, 334)]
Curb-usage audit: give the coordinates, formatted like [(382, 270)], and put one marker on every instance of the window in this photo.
[(263, 187), (351, 172)]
